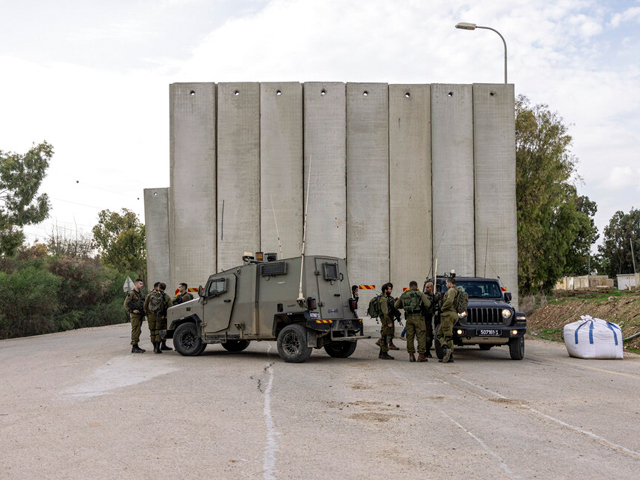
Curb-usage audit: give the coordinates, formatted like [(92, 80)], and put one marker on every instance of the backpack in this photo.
[(413, 301), (374, 310), (461, 301), (156, 302)]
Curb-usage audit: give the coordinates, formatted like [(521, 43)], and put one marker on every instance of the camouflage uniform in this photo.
[(385, 330), (155, 319), (181, 298), (415, 321), (132, 302), (448, 318), (428, 313)]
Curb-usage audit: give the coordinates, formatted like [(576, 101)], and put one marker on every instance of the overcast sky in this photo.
[(92, 77)]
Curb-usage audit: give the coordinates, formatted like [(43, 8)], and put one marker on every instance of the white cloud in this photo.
[(629, 15)]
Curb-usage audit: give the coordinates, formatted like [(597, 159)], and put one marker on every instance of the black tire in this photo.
[(516, 348), (235, 345), (292, 344), (484, 346), (341, 349), (436, 344), (187, 341)]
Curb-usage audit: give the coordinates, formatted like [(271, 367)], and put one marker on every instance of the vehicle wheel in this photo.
[(187, 341), (235, 345), (516, 348), (436, 343), (341, 349), (484, 346), (292, 344)]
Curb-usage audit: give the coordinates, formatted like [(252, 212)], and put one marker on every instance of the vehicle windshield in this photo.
[(480, 289)]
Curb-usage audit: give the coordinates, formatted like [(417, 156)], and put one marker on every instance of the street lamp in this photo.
[(473, 26)]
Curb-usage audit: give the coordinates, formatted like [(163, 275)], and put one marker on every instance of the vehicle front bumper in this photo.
[(486, 334)]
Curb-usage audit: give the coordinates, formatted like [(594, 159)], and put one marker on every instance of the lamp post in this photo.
[(473, 26)]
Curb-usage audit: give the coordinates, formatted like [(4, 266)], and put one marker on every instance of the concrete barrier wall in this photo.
[(192, 203), (325, 155), (156, 219), (453, 185), (238, 172), (281, 165), (368, 185), (494, 142), (399, 176), (410, 245)]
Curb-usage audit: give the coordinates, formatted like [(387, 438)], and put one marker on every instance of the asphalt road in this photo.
[(78, 405)]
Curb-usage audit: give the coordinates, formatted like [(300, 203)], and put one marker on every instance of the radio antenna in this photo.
[(276, 222), (304, 233)]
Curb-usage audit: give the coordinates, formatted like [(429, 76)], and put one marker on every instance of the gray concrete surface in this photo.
[(192, 206), (410, 246), (238, 174), (452, 153), (368, 185), (79, 405), (281, 167), (494, 161), (156, 218), (325, 154)]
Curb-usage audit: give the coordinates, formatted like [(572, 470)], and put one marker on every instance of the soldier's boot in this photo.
[(392, 346), (385, 356), (136, 349), (447, 355), (451, 358), (445, 352), (165, 346), (156, 347), (428, 354), (412, 357), (422, 358), (378, 342)]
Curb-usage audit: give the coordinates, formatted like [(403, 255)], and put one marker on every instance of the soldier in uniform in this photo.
[(155, 306), (386, 327), (448, 318), (428, 315), (134, 304), (412, 301), (162, 324), (183, 295), (393, 313)]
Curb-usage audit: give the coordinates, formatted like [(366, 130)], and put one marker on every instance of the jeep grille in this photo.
[(484, 316)]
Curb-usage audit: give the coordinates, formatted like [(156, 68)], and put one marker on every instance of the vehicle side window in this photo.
[(331, 271), (217, 287)]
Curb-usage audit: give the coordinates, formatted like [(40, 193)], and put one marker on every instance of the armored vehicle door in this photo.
[(220, 295), (329, 283)]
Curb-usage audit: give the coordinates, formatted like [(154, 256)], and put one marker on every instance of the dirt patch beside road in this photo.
[(622, 308)]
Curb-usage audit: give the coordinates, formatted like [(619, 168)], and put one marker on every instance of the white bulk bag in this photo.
[(593, 338)]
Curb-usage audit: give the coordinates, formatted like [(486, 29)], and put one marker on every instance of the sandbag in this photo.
[(593, 338)]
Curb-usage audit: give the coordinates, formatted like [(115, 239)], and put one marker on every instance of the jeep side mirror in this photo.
[(507, 297), (200, 291)]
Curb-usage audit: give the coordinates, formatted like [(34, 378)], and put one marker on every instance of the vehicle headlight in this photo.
[(506, 313)]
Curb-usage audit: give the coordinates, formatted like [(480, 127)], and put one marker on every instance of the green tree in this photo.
[(554, 224), (120, 238), (623, 231), (20, 180), (579, 259)]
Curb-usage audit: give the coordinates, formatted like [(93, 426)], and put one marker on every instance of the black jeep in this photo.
[(490, 319)]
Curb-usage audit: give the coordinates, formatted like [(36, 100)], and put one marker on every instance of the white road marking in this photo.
[(122, 371), (270, 449)]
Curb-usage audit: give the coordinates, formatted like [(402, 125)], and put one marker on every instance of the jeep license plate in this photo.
[(489, 333)]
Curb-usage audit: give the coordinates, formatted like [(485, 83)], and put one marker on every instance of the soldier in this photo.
[(163, 317), (393, 313), (183, 294), (448, 318), (411, 301), (428, 315), (134, 304), (354, 294), (386, 324), (155, 306)]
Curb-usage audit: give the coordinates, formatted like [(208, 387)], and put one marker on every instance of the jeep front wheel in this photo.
[(292, 344), (341, 349), (516, 348), (187, 341), (235, 345)]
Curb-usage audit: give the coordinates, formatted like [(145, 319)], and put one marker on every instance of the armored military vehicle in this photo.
[(490, 319), (303, 303)]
